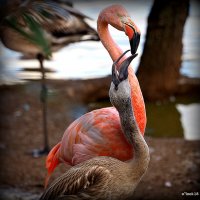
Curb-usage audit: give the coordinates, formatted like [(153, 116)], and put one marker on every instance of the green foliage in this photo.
[(32, 32)]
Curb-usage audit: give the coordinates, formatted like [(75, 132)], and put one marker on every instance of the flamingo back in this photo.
[(97, 133)]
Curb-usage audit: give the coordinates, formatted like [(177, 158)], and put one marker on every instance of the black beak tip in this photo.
[(134, 43), (122, 74)]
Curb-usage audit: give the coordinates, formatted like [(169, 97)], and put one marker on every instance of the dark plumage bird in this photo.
[(62, 25), (57, 23)]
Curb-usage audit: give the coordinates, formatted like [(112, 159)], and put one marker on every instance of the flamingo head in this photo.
[(121, 20), (120, 91), (117, 16)]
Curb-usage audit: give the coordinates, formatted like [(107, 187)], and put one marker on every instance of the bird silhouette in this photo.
[(61, 24), (99, 133), (102, 178), (58, 24)]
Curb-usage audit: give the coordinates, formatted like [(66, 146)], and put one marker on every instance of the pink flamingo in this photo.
[(99, 133)]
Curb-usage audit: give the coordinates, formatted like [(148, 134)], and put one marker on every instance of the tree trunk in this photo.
[(159, 68)]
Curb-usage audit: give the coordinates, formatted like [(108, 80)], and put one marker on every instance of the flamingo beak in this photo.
[(134, 36), (122, 74)]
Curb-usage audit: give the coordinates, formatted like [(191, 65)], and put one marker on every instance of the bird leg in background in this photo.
[(43, 99)]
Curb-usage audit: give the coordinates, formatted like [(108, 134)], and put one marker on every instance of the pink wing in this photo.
[(97, 133)]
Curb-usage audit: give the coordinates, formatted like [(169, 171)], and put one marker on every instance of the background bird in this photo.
[(39, 28), (103, 178), (99, 133), (61, 25)]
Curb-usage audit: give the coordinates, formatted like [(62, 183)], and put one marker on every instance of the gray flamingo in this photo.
[(103, 178)]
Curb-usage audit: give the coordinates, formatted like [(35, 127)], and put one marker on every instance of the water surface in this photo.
[(90, 59)]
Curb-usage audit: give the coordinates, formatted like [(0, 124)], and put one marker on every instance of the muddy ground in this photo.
[(174, 171)]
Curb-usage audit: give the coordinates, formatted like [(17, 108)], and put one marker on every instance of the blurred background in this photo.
[(90, 60), (78, 79)]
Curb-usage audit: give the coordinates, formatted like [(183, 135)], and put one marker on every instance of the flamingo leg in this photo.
[(43, 99)]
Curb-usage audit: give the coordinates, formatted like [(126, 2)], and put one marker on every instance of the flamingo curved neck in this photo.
[(102, 26), (109, 16)]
